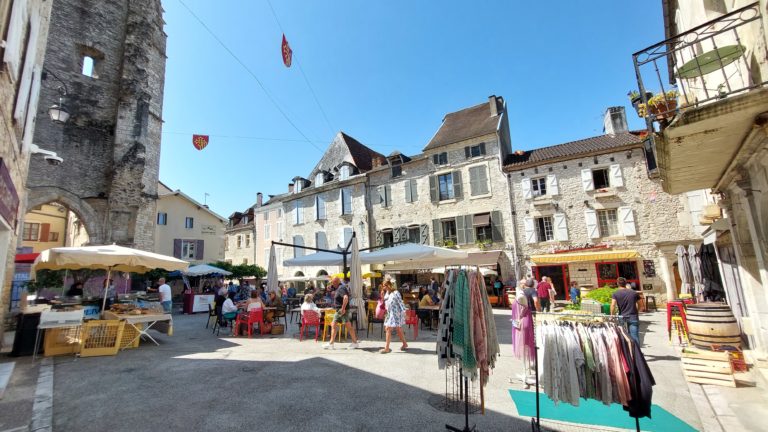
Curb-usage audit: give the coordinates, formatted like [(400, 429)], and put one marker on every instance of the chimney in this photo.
[(494, 105), (290, 187), (259, 199), (615, 121)]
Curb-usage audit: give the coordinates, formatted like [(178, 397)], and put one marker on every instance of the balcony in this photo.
[(700, 92)]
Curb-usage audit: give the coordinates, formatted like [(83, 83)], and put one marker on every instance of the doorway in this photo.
[(559, 276)]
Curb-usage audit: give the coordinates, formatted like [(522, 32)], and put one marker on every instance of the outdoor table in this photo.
[(163, 322), (434, 309)]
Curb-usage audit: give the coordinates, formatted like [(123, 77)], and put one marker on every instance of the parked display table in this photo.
[(194, 303)]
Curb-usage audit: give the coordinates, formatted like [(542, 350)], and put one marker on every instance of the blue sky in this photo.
[(385, 73)]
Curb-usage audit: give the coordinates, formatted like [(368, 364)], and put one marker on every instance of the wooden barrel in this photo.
[(712, 323)]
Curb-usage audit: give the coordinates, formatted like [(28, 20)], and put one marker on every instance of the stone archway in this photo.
[(43, 195)]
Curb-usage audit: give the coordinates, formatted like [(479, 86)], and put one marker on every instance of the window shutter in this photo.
[(590, 216), (467, 152), (199, 249), (15, 39), (177, 248), (497, 226), (616, 178), (380, 189), (473, 181), (433, 195), (437, 232), (414, 190), (530, 231), (457, 185), (461, 237), (561, 227), (627, 219), (525, 186), (586, 180), (482, 148), (322, 240), (424, 233), (469, 228), (408, 197), (27, 72), (379, 238), (34, 97), (552, 185), (45, 230), (436, 159), (387, 195), (347, 235), (396, 235), (483, 180)]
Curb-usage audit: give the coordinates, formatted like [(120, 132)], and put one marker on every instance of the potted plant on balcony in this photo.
[(663, 105), (484, 244), (637, 101)]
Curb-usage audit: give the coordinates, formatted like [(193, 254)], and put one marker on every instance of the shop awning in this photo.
[(564, 258), (482, 219), (27, 258)]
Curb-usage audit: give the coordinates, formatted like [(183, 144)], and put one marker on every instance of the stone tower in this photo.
[(110, 56)]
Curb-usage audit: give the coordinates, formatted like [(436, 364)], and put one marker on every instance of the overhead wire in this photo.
[(252, 74)]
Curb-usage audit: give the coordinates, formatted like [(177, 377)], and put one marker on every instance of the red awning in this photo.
[(28, 258)]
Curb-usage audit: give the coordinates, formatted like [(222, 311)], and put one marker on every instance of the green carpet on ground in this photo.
[(593, 412)]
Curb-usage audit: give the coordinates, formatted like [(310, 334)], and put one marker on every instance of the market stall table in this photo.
[(50, 320), (156, 321)]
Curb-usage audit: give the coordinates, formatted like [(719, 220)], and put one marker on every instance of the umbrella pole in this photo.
[(106, 289), (64, 282)]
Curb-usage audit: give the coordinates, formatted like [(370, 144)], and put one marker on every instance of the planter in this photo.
[(663, 109)]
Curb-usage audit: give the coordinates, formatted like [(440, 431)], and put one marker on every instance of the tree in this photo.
[(242, 270)]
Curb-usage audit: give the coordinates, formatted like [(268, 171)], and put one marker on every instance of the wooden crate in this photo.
[(61, 341), (708, 367), (101, 337)]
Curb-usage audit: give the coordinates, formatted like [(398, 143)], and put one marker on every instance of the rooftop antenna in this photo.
[(205, 198)]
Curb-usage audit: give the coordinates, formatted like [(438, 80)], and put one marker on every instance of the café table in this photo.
[(433, 313)]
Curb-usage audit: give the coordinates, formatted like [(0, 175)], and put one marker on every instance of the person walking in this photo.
[(395, 317), (342, 316), (625, 301), (165, 296), (575, 293), (542, 291), (531, 296)]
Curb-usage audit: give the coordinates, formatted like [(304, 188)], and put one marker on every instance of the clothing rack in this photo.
[(536, 422)]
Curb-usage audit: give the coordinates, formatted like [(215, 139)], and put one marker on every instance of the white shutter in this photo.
[(616, 179), (552, 185), (561, 227), (525, 185), (586, 180), (590, 216), (627, 220), (29, 126), (530, 231), (23, 95), (15, 39)]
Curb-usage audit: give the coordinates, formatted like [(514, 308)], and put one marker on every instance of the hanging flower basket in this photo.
[(663, 105)]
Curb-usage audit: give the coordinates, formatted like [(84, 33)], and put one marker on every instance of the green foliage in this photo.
[(602, 295), (633, 94), (662, 98), (573, 307), (241, 270), (54, 279)]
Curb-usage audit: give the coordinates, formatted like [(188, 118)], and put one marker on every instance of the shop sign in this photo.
[(9, 199), (208, 229), (578, 248)]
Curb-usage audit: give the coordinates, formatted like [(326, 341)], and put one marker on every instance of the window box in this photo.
[(605, 193)]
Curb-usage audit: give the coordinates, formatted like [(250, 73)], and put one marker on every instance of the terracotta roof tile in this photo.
[(465, 124), (573, 148)]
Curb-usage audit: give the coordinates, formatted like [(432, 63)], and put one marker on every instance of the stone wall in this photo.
[(235, 254), (111, 144)]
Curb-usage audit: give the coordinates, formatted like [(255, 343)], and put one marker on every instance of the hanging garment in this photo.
[(522, 331), (462, 327), (445, 353), (479, 332), (641, 381), (494, 351)]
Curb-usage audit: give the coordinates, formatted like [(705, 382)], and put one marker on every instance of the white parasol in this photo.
[(698, 280), (272, 272), (356, 282)]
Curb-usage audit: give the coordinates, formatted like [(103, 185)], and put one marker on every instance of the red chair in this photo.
[(677, 307), (411, 318), (255, 316), (310, 318)]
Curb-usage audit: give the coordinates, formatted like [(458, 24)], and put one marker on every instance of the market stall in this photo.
[(196, 300)]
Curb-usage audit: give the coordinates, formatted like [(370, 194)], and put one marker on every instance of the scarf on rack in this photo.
[(445, 354), (463, 344), (490, 326), (479, 330)]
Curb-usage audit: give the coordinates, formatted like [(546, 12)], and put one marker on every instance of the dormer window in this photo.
[(319, 179), (397, 168), (344, 172), (245, 220)]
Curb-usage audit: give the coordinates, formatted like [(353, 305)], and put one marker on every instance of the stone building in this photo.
[(186, 229), (105, 62), (249, 234), (586, 211), (45, 227), (24, 26), (454, 194), (239, 247), (711, 131)]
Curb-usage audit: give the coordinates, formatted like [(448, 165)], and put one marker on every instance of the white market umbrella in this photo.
[(272, 272), (106, 257), (684, 269), (411, 252), (695, 262), (488, 272), (205, 270), (356, 280), (316, 259)]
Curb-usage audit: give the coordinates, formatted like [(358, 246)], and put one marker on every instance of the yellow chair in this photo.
[(328, 322), (679, 328)]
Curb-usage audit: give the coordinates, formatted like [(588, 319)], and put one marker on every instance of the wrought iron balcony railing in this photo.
[(710, 62)]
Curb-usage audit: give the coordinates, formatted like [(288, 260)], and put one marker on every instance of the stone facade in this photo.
[(111, 57), (270, 226), (239, 246), (19, 88)]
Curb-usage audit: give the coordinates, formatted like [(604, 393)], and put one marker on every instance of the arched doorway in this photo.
[(50, 225), (88, 218), (300, 285)]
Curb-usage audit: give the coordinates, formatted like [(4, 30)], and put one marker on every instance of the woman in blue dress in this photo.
[(395, 318)]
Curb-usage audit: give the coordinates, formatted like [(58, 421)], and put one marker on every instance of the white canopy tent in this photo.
[(413, 253), (205, 270), (488, 258), (316, 259)]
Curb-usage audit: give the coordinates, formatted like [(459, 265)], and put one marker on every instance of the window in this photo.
[(608, 222), (449, 231), (189, 223), (387, 238), (239, 242), (226, 245), (321, 241), (344, 172), (298, 217), (411, 191), (319, 179), (279, 214), (608, 272), (482, 225), (345, 236), (346, 201), (162, 218), (445, 185), (440, 158), (544, 231), (88, 64), (280, 231), (31, 231), (245, 220), (298, 241), (600, 177), (414, 235), (247, 240), (397, 168), (53, 236), (266, 232), (188, 249), (266, 215), (539, 186), (478, 180), (266, 257), (319, 208), (474, 151)]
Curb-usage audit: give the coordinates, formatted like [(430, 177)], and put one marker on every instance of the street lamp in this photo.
[(58, 112)]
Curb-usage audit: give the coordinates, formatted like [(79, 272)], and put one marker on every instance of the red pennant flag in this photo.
[(200, 141), (287, 53)]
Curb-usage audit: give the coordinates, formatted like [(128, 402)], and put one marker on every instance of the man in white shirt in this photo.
[(165, 295)]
